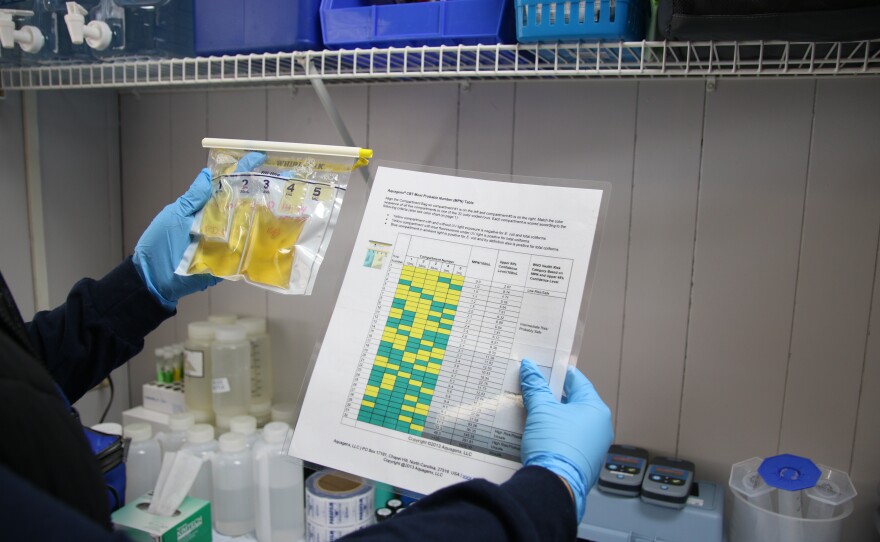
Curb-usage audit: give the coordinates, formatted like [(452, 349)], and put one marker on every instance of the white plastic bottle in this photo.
[(200, 443), (247, 426), (231, 381), (262, 384), (223, 319), (284, 412), (178, 424), (279, 481), (197, 371), (233, 470), (143, 460)]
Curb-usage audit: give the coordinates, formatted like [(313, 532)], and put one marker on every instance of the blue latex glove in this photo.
[(570, 438), (161, 247)]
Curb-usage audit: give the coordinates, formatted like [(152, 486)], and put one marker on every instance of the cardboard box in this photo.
[(164, 398), (192, 523)]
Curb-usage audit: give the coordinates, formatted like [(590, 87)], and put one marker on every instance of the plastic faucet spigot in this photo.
[(97, 34), (29, 38)]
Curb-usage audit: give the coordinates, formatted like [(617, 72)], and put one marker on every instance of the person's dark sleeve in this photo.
[(26, 513), (533, 506), (101, 326)]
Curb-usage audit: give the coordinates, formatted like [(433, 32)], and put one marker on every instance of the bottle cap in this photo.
[(283, 412), (138, 432), (383, 513), (181, 421), (394, 504), (200, 330), (263, 408), (275, 432), (253, 326), (232, 442), (243, 425), (223, 319), (229, 334), (199, 433), (222, 421)]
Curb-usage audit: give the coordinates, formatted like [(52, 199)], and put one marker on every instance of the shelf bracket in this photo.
[(333, 113), (711, 84)]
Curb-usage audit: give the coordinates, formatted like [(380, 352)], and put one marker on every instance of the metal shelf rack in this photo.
[(481, 62)]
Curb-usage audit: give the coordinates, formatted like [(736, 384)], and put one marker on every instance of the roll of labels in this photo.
[(337, 504)]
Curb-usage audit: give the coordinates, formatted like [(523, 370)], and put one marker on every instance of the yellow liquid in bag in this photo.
[(215, 217), (221, 258), (270, 253)]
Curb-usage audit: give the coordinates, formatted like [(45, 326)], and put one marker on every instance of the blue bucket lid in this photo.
[(789, 472)]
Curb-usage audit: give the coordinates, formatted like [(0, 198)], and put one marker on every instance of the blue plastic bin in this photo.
[(541, 21), (256, 26), (349, 24)]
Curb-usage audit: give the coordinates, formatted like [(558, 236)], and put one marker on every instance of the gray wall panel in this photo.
[(836, 273), (593, 127), (15, 256), (754, 170), (661, 251), (414, 123), (485, 127), (865, 469)]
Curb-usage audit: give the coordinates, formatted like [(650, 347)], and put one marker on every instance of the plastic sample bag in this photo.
[(272, 212)]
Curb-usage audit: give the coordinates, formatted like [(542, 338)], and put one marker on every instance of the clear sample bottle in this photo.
[(197, 371), (174, 439), (230, 378), (280, 515), (233, 473), (247, 426), (262, 384), (142, 462), (200, 443)]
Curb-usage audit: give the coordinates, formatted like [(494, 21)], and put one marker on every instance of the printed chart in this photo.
[(441, 359)]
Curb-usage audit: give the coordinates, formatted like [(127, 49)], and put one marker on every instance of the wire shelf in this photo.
[(540, 61)]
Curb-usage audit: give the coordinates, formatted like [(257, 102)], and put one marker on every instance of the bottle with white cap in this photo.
[(200, 443), (262, 384), (279, 483), (233, 472), (143, 460), (174, 439), (223, 319), (197, 371), (247, 426), (284, 412), (230, 378)]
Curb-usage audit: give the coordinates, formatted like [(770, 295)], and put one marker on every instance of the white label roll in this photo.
[(337, 501)]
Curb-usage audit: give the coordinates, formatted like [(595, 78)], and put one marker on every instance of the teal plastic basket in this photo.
[(587, 20)]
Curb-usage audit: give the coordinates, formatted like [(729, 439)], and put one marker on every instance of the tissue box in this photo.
[(165, 398), (191, 524)]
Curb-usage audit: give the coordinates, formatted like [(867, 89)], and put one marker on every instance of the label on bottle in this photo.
[(194, 361), (220, 385)]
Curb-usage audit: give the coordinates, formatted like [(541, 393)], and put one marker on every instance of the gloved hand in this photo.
[(161, 247), (570, 438)]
